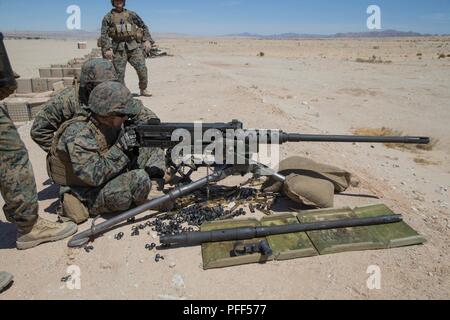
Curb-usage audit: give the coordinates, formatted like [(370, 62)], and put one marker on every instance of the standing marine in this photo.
[(17, 184), (124, 36)]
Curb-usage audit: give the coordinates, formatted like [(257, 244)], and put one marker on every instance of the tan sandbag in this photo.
[(74, 209), (306, 167), (313, 192)]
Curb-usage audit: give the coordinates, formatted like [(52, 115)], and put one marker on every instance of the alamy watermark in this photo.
[(212, 146), (374, 280), (73, 278), (374, 19), (73, 22)]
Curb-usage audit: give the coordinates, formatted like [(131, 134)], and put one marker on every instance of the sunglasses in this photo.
[(120, 115)]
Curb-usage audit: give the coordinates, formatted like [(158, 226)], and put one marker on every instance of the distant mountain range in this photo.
[(77, 34), (81, 34), (370, 34)]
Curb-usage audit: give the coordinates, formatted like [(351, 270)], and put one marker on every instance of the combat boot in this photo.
[(45, 231), (5, 280), (145, 93)]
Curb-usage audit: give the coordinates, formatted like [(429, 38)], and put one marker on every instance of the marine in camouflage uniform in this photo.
[(70, 101), (17, 184), (122, 34), (93, 159)]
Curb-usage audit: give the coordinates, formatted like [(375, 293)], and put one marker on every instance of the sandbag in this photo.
[(74, 209), (306, 167), (310, 191)]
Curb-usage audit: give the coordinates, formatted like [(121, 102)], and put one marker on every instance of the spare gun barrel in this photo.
[(246, 233)]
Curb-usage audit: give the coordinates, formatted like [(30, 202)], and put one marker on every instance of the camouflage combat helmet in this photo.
[(97, 71), (124, 2), (110, 98)]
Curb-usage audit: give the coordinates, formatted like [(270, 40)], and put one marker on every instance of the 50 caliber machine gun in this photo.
[(232, 143), (235, 147)]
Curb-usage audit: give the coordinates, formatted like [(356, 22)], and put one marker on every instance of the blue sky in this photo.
[(218, 17)]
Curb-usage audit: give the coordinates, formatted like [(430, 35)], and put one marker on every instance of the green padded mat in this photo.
[(393, 235), (301, 244), (340, 240), (288, 246)]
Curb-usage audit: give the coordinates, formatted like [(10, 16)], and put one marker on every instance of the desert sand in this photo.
[(307, 86)]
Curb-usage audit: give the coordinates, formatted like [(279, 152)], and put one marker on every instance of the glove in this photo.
[(127, 140), (169, 175), (154, 172), (109, 54), (147, 46)]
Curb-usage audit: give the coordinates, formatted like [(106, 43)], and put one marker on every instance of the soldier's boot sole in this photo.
[(69, 231), (5, 280)]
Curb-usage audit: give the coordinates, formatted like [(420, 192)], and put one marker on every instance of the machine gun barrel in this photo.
[(246, 233), (294, 137)]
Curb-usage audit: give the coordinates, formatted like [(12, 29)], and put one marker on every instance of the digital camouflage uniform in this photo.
[(67, 103), (110, 186), (17, 183), (55, 112), (123, 32), (105, 179)]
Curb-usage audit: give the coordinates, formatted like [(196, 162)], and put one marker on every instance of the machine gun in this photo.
[(232, 143), (228, 138)]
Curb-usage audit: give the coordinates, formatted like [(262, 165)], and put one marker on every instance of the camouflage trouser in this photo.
[(125, 191), (137, 60), (122, 193), (17, 183), (131, 188)]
